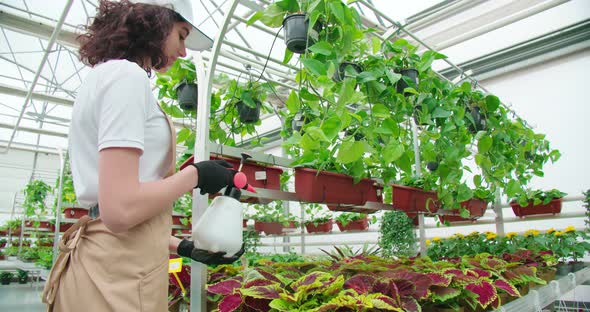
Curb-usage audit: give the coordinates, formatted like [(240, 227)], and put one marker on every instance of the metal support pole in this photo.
[(39, 70), (499, 214), (62, 161), (201, 152), (418, 173)]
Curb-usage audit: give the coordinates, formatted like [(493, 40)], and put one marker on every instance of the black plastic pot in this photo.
[(432, 165), (479, 122), (410, 74), (187, 94), (340, 74), (295, 31), (247, 113)]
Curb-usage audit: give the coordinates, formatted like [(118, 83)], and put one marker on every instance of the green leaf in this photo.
[(492, 103), (484, 144), (376, 44), (273, 16), (288, 56), (322, 47), (308, 143), (365, 76), (258, 15), (513, 188), (338, 11), (331, 127), (176, 112), (393, 77), (317, 134), (464, 193), (293, 102), (477, 180), (182, 135), (350, 151), (393, 151), (381, 111), (440, 112), (346, 92), (315, 67)]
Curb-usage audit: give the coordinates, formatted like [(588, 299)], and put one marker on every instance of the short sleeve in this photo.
[(122, 106)]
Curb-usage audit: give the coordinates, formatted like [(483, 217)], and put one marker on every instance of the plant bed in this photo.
[(553, 207), (325, 227), (476, 208), (75, 212), (334, 188), (410, 199)]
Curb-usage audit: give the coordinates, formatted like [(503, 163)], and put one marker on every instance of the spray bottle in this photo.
[(220, 227)]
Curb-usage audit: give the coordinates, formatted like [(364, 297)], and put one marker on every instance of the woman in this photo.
[(122, 160)]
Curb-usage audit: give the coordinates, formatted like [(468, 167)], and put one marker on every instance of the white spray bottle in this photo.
[(220, 227)]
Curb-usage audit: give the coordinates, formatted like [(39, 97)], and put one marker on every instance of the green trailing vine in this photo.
[(397, 237)]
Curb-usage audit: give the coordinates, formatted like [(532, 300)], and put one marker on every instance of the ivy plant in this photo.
[(36, 193), (396, 235)]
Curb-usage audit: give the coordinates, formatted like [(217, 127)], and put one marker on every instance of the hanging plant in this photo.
[(35, 194), (397, 237), (188, 94)]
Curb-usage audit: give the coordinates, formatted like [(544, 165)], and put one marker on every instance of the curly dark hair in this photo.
[(130, 31)]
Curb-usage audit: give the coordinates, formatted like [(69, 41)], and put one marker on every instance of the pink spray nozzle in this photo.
[(241, 182)]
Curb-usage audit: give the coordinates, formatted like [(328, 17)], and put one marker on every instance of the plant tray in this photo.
[(334, 188), (42, 224), (358, 225), (553, 207), (410, 199), (476, 207)]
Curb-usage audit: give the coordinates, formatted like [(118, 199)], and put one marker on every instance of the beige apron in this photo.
[(98, 270)]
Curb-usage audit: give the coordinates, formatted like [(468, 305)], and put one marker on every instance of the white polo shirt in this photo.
[(115, 107)]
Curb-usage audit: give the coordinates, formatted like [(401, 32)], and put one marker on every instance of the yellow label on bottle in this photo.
[(175, 265)]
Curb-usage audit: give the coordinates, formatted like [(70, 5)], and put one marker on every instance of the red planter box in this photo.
[(553, 207), (476, 207), (269, 228), (334, 188), (75, 213), (42, 224), (176, 220), (62, 227), (412, 199), (320, 228), (358, 225), (244, 223), (259, 176)]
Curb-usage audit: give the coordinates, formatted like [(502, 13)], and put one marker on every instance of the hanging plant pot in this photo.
[(553, 207), (249, 114), (295, 30), (340, 74), (357, 225), (325, 227), (187, 94), (475, 206), (334, 188), (410, 74), (410, 199), (479, 122)]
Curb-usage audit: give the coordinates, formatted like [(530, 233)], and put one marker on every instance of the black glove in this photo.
[(187, 248), (214, 175)]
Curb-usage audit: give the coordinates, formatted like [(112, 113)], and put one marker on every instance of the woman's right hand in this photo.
[(214, 175)]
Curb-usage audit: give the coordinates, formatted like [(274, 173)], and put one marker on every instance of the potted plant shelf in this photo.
[(334, 188)]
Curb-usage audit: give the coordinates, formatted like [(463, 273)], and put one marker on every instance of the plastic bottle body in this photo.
[(220, 227)]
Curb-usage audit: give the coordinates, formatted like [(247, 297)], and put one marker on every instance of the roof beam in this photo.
[(38, 29)]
